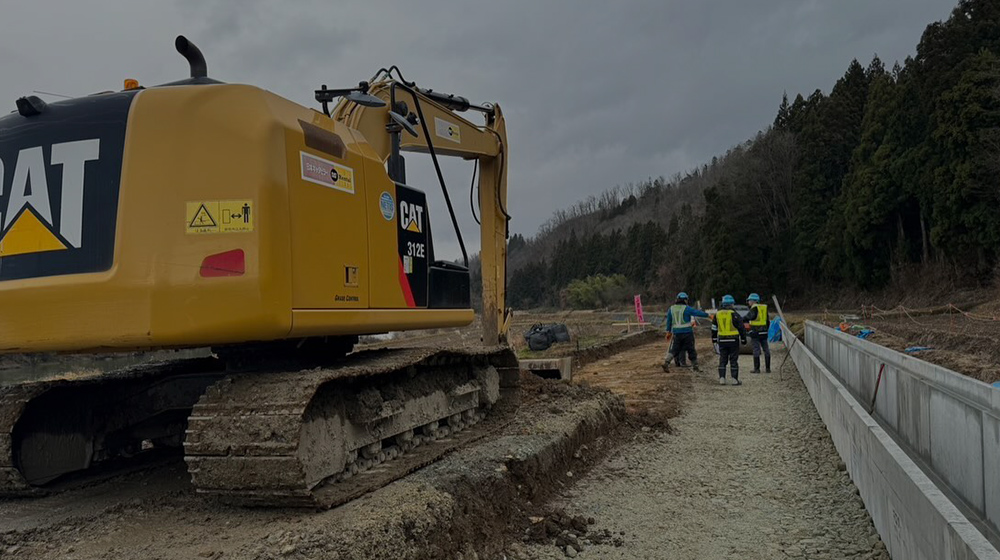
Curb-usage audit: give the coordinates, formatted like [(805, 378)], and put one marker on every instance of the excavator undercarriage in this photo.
[(316, 438), (296, 437)]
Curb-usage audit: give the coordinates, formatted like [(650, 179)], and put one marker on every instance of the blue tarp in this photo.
[(866, 333), (915, 349), (774, 331)]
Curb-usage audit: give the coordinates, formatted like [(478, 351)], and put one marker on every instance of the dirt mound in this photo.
[(571, 534)]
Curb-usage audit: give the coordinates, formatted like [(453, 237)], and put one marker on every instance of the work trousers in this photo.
[(760, 345), (683, 342), (729, 352)]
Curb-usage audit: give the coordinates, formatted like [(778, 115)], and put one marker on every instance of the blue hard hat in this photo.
[(728, 300), (682, 295), (753, 297)]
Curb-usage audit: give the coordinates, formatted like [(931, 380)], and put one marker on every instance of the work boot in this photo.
[(694, 366), (756, 364), (666, 367), (736, 381), (722, 381), (768, 370), (755, 370)]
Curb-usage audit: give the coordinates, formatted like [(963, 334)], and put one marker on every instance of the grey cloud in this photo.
[(595, 93)]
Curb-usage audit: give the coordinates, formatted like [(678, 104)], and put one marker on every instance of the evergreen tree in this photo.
[(828, 138), (873, 200), (783, 120), (967, 138)]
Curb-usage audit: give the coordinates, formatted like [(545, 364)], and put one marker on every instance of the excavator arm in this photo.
[(416, 120)]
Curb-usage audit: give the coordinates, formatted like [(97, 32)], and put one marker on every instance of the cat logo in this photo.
[(26, 216), (411, 217)]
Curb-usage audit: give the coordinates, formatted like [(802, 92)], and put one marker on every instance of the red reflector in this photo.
[(230, 263)]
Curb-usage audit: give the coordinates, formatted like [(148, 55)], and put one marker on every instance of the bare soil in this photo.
[(652, 397), (965, 343)]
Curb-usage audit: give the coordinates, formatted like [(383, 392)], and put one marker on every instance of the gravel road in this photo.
[(747, 472)]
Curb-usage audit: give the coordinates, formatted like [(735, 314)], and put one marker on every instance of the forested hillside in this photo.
[(895, 171)]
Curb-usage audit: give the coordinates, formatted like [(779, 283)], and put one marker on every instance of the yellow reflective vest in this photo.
[(724, 319), (761, 319), (678, 317)]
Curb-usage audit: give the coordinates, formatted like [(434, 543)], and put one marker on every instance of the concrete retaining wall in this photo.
[(950, 421), (914, 517)]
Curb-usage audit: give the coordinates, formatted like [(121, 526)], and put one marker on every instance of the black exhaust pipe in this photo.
[(199, 68)]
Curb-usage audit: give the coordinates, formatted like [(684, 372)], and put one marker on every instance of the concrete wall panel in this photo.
[(991, 464), (956, 447), (914, 414), (914, 517), (937, 414)]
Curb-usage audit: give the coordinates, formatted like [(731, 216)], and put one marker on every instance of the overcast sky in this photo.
[(595, 93)]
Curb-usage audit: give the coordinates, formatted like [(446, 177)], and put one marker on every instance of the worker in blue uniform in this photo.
[(680, 327)]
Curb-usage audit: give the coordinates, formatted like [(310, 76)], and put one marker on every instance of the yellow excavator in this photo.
[(204, 214)]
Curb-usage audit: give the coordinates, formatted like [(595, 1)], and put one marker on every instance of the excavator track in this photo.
[(65, 425), (293, 437), (13, 401), (321, 437)]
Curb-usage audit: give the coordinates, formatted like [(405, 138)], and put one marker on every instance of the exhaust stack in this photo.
[(199, 68)]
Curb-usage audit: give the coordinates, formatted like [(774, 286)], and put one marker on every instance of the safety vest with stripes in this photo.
[(677, 313), (724, 320), (761, 319)]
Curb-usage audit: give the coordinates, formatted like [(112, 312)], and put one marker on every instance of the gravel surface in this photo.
[(747, 472)]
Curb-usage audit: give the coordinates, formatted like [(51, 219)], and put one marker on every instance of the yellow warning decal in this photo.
[(220, 216)]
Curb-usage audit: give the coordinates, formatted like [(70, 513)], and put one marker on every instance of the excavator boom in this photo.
[(439, 131)]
